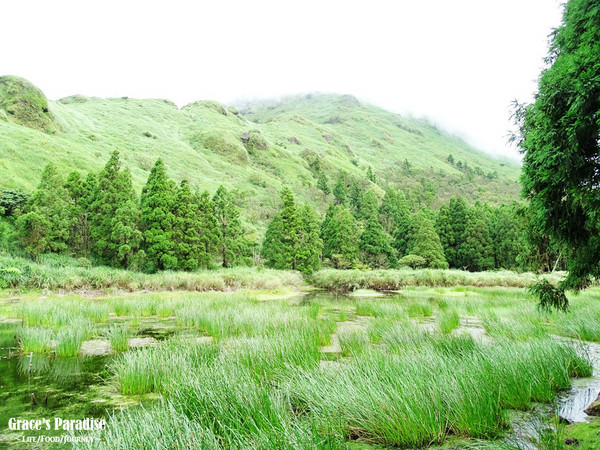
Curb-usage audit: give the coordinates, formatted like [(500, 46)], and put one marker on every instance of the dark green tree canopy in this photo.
[(560, 138)]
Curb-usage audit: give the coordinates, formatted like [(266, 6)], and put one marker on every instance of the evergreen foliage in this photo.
[(559, 136), (323, 183), (428, 246), (402, 225), (46, 221), (340, 190), (476, 252), (210, 233), (371, 175), (116, 218), (187, 229), (375, 249), (310, 246), (157, 204), (293, 238), (229, 228), (459, 215), (81, 192), (340, 235)]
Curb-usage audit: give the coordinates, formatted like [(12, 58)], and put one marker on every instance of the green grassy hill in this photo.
[(254, 150)]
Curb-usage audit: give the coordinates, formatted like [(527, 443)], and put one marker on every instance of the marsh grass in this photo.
[(385, 280), (35, 339), (448, 321), (353, 341), (69, 339), (261, 384), (71, 277), (118, 335)]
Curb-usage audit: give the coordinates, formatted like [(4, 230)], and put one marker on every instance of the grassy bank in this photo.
[(65, 274), (350, 280)]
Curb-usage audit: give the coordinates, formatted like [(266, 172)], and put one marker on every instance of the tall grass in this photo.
[(448, 321), (118, 335), (68, 340), (35, 339), (72, 277), (349, 280), (410, 399)]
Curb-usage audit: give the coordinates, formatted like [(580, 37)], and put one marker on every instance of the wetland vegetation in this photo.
[(423, 366)]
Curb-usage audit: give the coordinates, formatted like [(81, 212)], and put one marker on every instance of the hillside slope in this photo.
[(254, 151)]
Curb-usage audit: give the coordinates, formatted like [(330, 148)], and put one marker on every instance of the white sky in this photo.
[(459, 62)]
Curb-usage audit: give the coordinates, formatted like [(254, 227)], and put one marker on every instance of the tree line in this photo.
[(359, 231), (174, 227), (169, 227)]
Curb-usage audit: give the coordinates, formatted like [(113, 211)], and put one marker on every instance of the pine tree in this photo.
[(402, 226), (310, 246), (340, 235), (443, 227), (81, 192), (376, 251), (505, 233), (210, 234), (230, 232), (427, 244), (559, 135), (459, 215), (187, 228), (46, 220), (115, 218), (369, 205), (283, 235), (355, 199), (273, 249), (476, 251), (340, 191), (323, 183), (370, 175), (388, 210), (157, 204)]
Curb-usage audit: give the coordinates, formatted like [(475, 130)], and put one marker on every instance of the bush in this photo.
[(412, 261)]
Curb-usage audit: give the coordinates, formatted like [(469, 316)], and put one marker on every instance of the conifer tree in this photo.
[(323, 183), (505, 233), (459, 215), (389, 210), (476, 252), (81, 192), (283, 235), (157, 204), (370, 175), (443, 227), (402, 226), (355, 199), (427, 244), (115, 218), (273, 249), (310, 246), (187, 228), (210, 234), (369, 205), (340, 191), (346, 250), (376, 251), (230, 232), (46, 220), (340, 235)]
